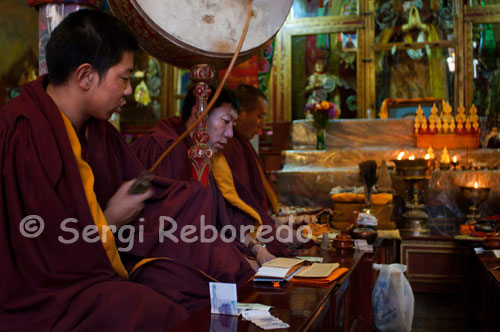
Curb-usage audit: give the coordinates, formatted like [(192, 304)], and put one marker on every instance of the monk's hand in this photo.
[(261, 254), (290, 236), (123, 207)]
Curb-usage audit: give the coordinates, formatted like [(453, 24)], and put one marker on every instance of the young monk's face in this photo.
[(109, 93), (220, 126), (251, 121)]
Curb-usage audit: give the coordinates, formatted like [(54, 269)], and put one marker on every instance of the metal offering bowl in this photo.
[(413, 169), (475, 195)]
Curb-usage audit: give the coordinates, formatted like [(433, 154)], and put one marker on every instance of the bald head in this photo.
[(253, 110)]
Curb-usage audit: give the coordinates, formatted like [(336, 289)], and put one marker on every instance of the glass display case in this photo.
[(317, 58), (324, 68), (414, 50), (482, 35)]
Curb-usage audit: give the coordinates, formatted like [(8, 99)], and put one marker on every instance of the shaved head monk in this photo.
[(177, 166), (67, 220)]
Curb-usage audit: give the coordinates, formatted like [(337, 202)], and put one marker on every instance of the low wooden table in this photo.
[(344, 305), (483, 290)]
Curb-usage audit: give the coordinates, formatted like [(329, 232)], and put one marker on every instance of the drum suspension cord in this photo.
[(143, 181)]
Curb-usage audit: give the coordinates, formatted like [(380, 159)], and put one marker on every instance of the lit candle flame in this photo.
[(476, 185), (400, 155), (411, 158), (454, 159), (427, 156)]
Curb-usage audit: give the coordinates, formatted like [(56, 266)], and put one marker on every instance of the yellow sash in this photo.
[(105, 234), (224, 180)]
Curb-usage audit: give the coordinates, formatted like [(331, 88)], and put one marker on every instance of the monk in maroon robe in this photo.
[(61, 161), (250, 179), (177, 165), (246, 167)]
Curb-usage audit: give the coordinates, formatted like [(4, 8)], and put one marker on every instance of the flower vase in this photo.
[(320, 139)]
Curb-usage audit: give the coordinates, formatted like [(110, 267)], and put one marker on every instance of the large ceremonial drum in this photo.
[(189, 32)]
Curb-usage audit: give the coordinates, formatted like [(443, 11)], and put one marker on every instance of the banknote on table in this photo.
[(264, 319), (255, 314), (223, 298), (252, 306), (271, 325)]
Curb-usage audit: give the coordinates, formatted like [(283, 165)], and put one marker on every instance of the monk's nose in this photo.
[(128, 89), (229, 132)]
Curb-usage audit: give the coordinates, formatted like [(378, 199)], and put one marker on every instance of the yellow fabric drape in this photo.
[(224, 179), (105, 234), (377, 199)]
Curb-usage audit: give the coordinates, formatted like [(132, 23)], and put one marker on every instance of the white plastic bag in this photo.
[(392, 301)]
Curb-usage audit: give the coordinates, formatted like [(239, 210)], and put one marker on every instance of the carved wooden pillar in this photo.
[(50, 14), (200, 153)]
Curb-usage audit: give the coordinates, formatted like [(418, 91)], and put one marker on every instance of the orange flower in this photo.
[(325, 104)]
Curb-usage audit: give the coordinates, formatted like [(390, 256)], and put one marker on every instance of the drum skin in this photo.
[(189, 32)]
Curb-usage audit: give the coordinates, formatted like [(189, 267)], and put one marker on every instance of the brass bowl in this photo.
[(475, 194), (365, 233), (413, 169)]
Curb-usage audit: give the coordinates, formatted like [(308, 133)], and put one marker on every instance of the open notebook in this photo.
[(278, 269), (318, 270)]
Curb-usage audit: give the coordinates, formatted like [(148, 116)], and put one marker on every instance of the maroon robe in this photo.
[(177, 166), (184, 277), (47, 285), (242, 160), (149, 147)]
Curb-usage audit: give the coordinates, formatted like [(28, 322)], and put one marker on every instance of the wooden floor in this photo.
[(440, 312)]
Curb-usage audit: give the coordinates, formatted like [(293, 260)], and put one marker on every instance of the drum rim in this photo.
[(215, 59)]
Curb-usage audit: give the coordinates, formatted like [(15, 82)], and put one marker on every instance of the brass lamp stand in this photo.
[(414, 172)]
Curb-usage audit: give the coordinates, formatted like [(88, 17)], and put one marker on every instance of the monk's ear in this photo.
[(85, 75)]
